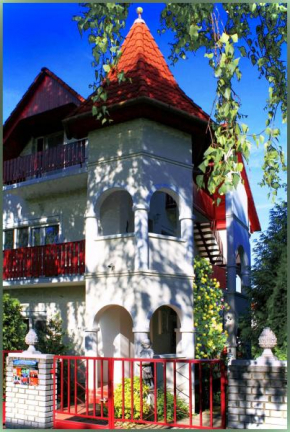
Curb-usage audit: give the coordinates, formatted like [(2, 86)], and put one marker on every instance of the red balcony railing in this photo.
[(44, 261), (35, 165)]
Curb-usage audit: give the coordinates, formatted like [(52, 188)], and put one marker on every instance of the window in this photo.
[(39, 144), (54, 140), (8, 239), (164, 215), (30, 236), (48, 141), (51, 234), (22, 237), (36, 236)]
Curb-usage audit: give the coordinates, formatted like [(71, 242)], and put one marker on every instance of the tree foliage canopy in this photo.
[(14, 328), (227, 32), (269, 280)]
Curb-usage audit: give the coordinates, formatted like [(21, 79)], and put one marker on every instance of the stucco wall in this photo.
[(240, 204), (69, 302), (139, 135), (140, 295), (66, 209)]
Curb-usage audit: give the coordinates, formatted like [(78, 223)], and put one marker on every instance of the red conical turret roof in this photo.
[(143, 62)]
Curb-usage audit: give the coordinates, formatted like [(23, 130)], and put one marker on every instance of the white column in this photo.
[(141, 236), (91, 343), (186, 231), (230, 316), (92, 232), (187, 343)]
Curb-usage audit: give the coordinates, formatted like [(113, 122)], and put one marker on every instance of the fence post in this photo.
[(111, 393), (223, 394)]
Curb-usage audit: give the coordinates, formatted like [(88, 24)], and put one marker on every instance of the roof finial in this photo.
[(139, 11)]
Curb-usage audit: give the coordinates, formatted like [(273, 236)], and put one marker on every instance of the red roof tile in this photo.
[(143, 62)]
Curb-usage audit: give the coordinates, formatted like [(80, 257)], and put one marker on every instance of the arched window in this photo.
[(164, 215), (163, 323), (116, 214)]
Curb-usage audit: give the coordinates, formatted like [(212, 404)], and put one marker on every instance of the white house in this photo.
[(101, 223)]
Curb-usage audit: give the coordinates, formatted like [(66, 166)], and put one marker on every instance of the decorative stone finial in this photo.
[(139, 11), (267, 340), (31, 339)]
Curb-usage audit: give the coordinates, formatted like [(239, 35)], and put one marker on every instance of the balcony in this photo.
[(35, 165), (64, 259)]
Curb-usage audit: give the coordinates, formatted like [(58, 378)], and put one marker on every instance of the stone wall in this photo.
[(30, 407), (257, 394)]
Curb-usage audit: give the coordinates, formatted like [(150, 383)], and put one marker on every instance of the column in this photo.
[(230, 316), (187, 343), (91, 343), (91, 234), (186, 231), (246, 278), (141, 235)]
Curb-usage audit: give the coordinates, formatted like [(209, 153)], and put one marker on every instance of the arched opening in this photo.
[(114, 332), (164, 215), (239, 269), (116, 214), (163, 323)]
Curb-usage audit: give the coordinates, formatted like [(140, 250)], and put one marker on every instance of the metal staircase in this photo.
[(209, 243)]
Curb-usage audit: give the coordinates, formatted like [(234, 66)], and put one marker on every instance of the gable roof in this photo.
[(149, 74), (46, 92)]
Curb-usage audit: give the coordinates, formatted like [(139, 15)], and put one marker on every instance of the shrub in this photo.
[(118, 399), (14, 329), (181, 407), (50, 337)]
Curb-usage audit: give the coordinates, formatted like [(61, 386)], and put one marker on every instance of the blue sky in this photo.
[(38, 35)]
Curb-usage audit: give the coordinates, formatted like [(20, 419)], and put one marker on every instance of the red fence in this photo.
[(45, 261), (34, 165), (102, 393)]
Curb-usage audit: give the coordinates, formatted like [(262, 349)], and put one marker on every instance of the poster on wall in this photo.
[(33, 377), (25, 372)]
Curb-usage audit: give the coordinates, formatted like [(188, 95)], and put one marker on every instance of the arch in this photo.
[(169, 189), (176, 308), (164, 213), (104, 192), (115, 210), (242, 269), (114, 325), (163, 324)]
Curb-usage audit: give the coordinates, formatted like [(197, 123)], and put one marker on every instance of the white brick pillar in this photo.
[(141, 236), (29, 406)]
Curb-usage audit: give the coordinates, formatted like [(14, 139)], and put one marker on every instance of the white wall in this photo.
[(66, 209), (240, 204)]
